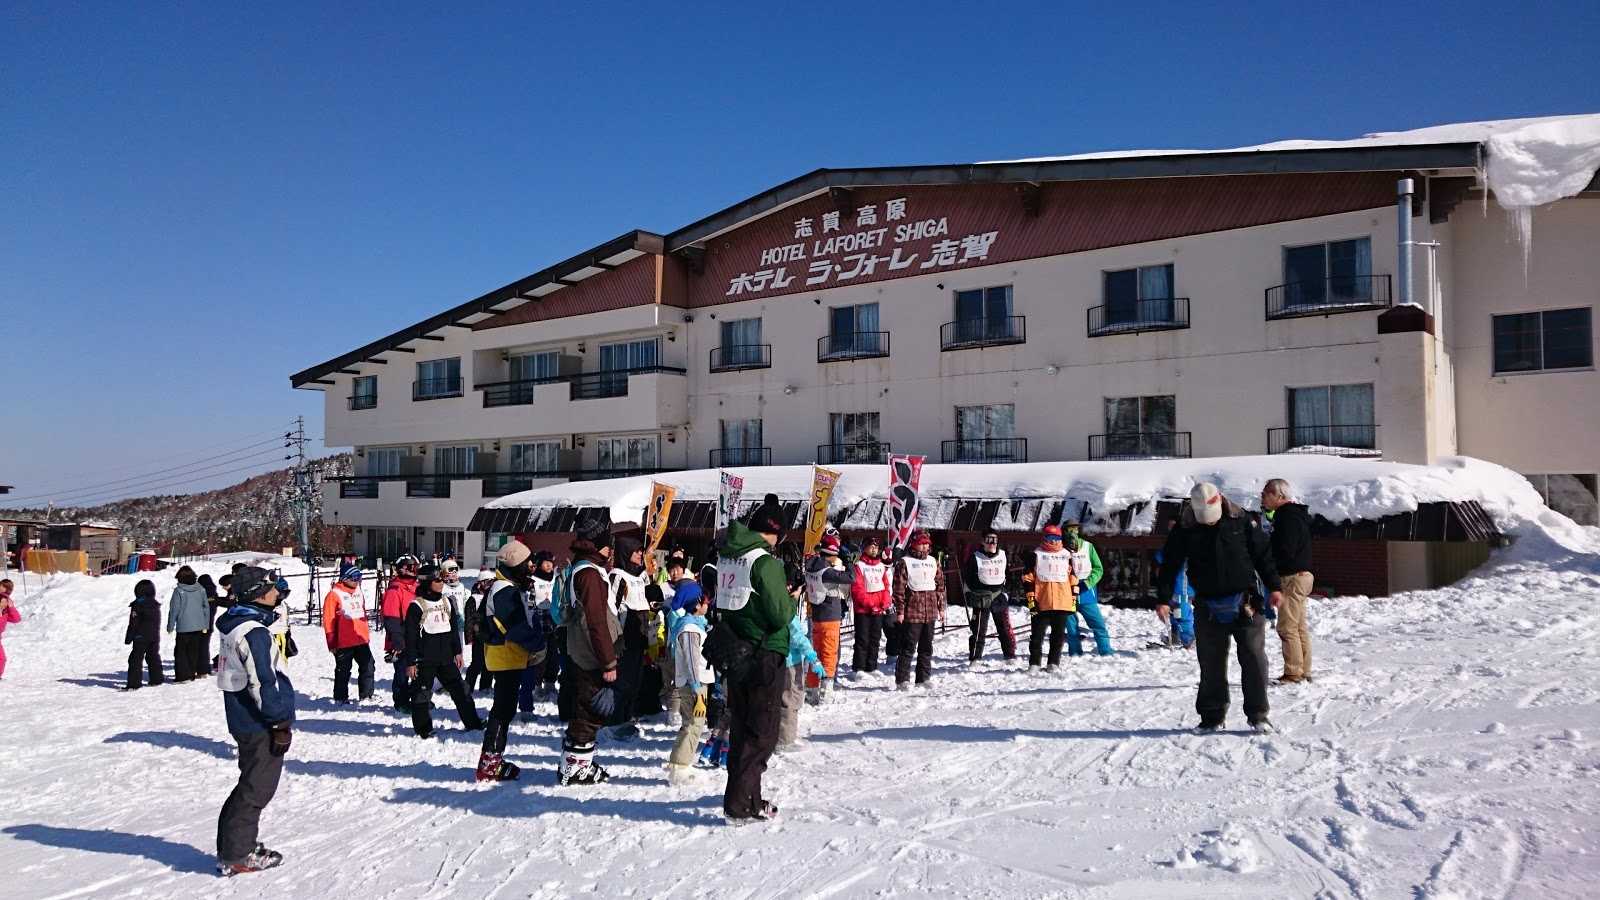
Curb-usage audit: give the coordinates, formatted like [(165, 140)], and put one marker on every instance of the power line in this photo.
[(74, 497), (229, 444), (221, 457), (117, 495)]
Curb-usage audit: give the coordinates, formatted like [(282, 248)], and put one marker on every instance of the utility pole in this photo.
[(302, 483)]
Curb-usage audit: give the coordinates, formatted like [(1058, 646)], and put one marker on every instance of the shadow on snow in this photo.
[(178, 857)]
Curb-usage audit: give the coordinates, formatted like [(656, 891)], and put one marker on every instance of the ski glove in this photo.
[(821, 672), (700, 706), (604, 702), (280, 735)]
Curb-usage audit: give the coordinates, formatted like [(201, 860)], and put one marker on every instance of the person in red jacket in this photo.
[(919, 603), (397, 599), (869, 595), (344, 624)]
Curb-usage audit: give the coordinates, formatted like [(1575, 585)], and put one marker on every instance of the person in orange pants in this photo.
[(827, 590)]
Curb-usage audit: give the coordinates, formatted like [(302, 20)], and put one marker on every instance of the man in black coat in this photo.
[(433, 651), (1291, 555), (1225, 550)]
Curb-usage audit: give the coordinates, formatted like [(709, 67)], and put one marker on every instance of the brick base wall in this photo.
[(1349, 568)]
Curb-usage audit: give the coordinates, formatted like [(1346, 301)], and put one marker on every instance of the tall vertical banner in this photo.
[(728, 499), (822, 482), (905, 498), (655, 518)]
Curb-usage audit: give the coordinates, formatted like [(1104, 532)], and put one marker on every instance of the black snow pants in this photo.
[(754, 711), (189, 656), (868, 635), (1248, 632), (1000, 612), (361, 656), (147, 653), (1055, 621), (916, 638), (259, 771), (630, 667), (422, 702)]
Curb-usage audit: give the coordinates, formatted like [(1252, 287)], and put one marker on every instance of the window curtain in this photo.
[(1155, 288), (741, 342), (1308, 416), (385, 461), (1349, 265), (455, 460), (1352, 415)]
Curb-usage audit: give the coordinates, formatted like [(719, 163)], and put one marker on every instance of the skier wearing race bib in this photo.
[(627, 582), (1087, 570), (512, 640), (919, 601), (984, 592), (593, 643), (344, 624), (539, 682), (396, 597), (1055, 598), (828, 585), (869, 593), (433, 650)]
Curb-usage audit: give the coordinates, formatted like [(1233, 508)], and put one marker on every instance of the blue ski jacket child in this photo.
[(800, 649)]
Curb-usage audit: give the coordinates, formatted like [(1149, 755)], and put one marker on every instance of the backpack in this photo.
[(562, 596), (727, 652)]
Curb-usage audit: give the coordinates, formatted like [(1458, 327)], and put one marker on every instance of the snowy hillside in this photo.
[(1447, 749)]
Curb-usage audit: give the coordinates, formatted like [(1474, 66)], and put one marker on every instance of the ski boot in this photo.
[(493, 767), (722, 753), (1262, 726), (254, 861), (707, 757), (1209, 727), (578, 766), (766, 813)]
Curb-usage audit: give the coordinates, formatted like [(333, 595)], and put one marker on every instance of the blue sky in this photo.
[(196, 201)]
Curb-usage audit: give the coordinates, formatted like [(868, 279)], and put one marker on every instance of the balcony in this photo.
[(1161, 314), (614, 383), (1140, 445), (852, 345), (434, 486), (501, 484), (741, 357), (864, 452), (1333, 440), (364, 401), (1328, 296), (741, 456), (511, 393), (966, 334), (359, 489), (984, 450), (436, 388)]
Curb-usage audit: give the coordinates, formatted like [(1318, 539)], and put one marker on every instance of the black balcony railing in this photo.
[(596, 385), (429, 486), (511, 393), (965, 334), (741, 456), (364, 401), (1336, 440), (1140, 445), (435, 388), (359, 489), (1161, 314), (1327, 296), (739, 357), (866, 452), (503, 483), (852, 345), (985, 450)]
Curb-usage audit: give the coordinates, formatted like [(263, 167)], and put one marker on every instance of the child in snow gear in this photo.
[(919, 601), (8, 616), (533, 677), (984, 594), (801, 662), (679, 593), (1225, 551), (593, 645), (397, 598), (1177, 614), (869, 594), (754, 601), (1086, 570), (693, 677), (828, 585), (512, 642), (477, 606), (433, 650), (344, 627), (144, 634), (1291, 555), (189, 617), (259, 702), (1055, 598)]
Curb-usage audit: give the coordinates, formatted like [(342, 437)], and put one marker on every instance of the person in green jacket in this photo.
[(753, 599), (1086, 566)]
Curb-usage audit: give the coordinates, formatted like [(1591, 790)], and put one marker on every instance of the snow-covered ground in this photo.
[(1446, 749)]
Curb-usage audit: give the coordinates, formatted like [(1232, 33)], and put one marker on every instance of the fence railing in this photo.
[(1160, 314), (865, 452), (1140, 445), (435, 388), (597, 385), (964, 334), (738, 357), (364, 401), (741, 456), (1336, 440), (359, 489), (1328, 296), (852, 345), (985, 450)]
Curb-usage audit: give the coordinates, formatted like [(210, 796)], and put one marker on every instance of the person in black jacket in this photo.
[(433, 650), (144, 634), (983, 582), (1291, 555), (1225, 550)]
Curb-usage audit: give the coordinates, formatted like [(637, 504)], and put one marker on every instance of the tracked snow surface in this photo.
[(1446, 749)]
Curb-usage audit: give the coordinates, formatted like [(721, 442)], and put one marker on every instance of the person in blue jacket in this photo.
[(1178, 612), (259, 702), (802, 658)]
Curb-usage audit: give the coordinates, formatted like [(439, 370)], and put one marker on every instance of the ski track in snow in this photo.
[(1443, 751)]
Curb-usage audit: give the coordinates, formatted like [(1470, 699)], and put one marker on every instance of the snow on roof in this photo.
[(1531, 162), (1338, 489)]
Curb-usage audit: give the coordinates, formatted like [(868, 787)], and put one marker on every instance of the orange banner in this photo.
[(822, 482)]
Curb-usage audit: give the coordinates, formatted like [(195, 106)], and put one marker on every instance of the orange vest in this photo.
[(344, 618)]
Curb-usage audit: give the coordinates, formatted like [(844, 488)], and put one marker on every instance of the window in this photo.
[(1573, 496), (629, 453), (853, 331), (986, 434), (387, 543), (455, 460), (853, 428), (384, 460), (438, 378), (540, 366), (1139, 295), (492, 542), (741, 442), (983, 314), (1539, 341), (447, 543), (1141, 426), (741, 343), (1338, 272), (364, 392), (640, 354), (1340, 415), (538, 456)]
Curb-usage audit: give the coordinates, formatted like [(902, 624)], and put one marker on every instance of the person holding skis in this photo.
[(344, 626), (512, 641), (1291, 554), (1225, 552), (1055, 598), (594, 643), (1086, 569), (533, 677), (397, 599), (919, 602), (144, 634), (433, 650), (985, 596), (259, 702), (869, 594), (828, 585)]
